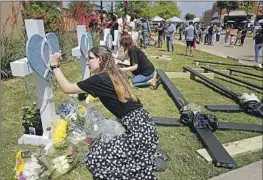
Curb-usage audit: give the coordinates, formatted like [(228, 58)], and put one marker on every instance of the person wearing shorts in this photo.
[(189, 37), (189, 43)]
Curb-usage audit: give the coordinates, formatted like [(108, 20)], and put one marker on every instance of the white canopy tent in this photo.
[(196, 20), (157, 19), (175, 19)]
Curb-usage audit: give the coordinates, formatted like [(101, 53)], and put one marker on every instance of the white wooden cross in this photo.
[(44, 91), (81, 30)]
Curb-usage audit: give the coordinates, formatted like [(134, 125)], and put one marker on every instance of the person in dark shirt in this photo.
[(113, 25), (142, 69), (144, 32), (210, 33), (258, 43), (118, 158), (243, 35), (160, 30)]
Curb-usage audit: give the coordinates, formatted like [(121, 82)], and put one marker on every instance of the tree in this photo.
[(231, 5), (164, 9), (247, 6), (140, 7), (80, 10), (189, 16), (49, 11)]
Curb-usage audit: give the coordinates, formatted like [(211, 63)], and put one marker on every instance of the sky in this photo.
[(194, 7), (188, 6)]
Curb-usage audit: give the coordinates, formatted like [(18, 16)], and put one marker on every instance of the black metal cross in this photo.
[(201, 124)]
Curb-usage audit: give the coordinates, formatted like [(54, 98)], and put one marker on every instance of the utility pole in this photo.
[(101, 17), (125, 4)]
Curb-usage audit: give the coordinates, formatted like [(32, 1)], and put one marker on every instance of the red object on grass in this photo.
[(194, 46), (89, 140)]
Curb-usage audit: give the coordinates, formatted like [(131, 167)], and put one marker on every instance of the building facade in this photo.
[(236, 15)]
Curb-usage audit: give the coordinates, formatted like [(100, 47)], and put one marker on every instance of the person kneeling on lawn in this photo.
[(141, 68), (132, 154)]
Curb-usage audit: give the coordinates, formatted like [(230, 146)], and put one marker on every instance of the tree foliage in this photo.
[(164, 9), (49, 11), (79, 9), (246, 6), (228, 5), (231, 5), (189, 16)]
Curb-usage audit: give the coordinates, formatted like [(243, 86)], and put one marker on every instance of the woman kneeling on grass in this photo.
[(142, 69), (130, 155)]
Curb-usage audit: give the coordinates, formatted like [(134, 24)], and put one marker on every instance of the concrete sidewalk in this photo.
[(249, 172), (245, 52)]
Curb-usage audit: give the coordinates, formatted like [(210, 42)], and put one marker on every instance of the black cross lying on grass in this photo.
[(226, 64), (201, 124), (206, 69), (251, 107), (243, 72)]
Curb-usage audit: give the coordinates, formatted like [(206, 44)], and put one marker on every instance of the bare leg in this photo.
[(191, 51)]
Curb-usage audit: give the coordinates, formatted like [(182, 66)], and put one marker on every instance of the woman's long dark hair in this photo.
[(120, 83)]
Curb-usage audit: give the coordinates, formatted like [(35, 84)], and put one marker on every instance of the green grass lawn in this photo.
[(179, 143)]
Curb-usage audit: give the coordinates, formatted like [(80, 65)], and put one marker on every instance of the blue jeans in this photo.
[(257, 48), (226, 39), (141, 80), (144, 34), (170, 38)]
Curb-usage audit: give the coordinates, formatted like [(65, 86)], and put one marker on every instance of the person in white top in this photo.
[(189, 37), (134, 33)]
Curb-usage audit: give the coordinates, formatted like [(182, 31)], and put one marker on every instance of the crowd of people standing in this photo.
[(139, 30), (195, 33)]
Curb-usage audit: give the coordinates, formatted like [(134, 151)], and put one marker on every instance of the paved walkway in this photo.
[(250, 172), (245, 52)]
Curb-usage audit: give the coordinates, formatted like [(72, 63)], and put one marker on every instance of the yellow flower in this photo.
[(82, 111), (60, 134), (91, 98), (20, 163)]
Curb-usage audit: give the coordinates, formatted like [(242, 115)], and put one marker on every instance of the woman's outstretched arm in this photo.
[(66, 86)]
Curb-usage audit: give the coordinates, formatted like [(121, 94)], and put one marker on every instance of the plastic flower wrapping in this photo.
[(80, 125), (86, 121)]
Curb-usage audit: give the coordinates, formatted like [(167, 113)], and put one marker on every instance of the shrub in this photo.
[(12, 49), (67, 41), (96, 39)]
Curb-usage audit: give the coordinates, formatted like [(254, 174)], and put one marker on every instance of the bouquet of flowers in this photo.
[(88, 122)]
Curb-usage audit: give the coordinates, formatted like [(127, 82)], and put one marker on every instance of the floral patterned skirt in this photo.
[(129, 156)]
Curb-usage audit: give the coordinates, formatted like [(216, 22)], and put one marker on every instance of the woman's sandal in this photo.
[(156, 84)]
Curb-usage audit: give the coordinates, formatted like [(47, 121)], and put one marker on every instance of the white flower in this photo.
[(32, 169), (61, 164)]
